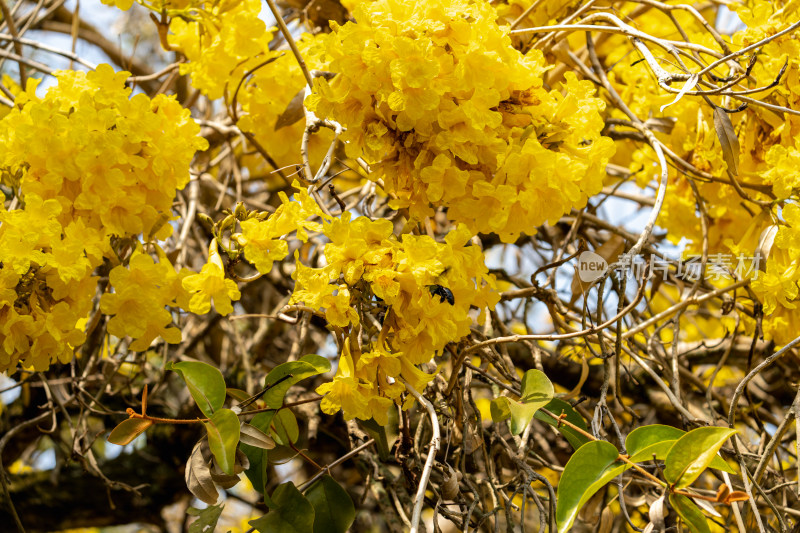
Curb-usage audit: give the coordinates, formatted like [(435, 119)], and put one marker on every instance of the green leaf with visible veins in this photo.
[(689, 513), (308, 365), (693, 453), (223, 437), (645, 441), (205, 383), (557, 407), (537, 391), (591, 466), (292, 513), (334, 511), (284, 428)]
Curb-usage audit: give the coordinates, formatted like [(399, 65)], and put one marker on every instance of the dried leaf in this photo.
[(688, 86), (222, 479), (253, 436), (727, 139), (707, 507), (657, 513), (242, 462), (592, 265), (450, 484), (606, 521), (736, 496), (293, 112), (576, 390), (319, 13), (592, 509), (198, 476), (764, 247)]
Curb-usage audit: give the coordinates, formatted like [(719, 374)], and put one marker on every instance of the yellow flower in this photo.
[(141, 293), (121, 4), (344, 393), (338, 308), (262, 245), (312, 286), (262, 240), (211, 284)]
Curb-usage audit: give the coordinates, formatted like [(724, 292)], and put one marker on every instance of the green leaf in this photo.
[(284, 428), (693, 453), (257, 473), (379, 433), (334, 511), (205, 382), (499, 409), (307, 366), (719, 463), (591, 466), (642, 439), (537, 391), (521, 414), (237, 394), (643, 442), (293, 513), (223, 437), (128, 430), (689, 513), (556, 406), (207, 518), (281, 455)]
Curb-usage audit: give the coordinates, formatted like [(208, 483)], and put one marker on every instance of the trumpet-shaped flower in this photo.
[(211, 285)]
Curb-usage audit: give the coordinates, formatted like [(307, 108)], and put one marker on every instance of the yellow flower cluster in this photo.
[(768, 159), (362, 387), (228, 44), (142, 292), (410, 296), (420, 290), (449, 114), (263, 240), (92, 167), (771, 151), (222, 42)]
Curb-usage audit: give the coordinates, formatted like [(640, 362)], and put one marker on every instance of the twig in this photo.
[(3, 442), (12, 29), (325, 469), (41, 46), (552, 337), (432, 450), (746, 49), (682, 304), (525, 14), (290, 40)]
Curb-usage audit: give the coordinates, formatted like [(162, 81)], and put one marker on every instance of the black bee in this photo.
[(443, 293)]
